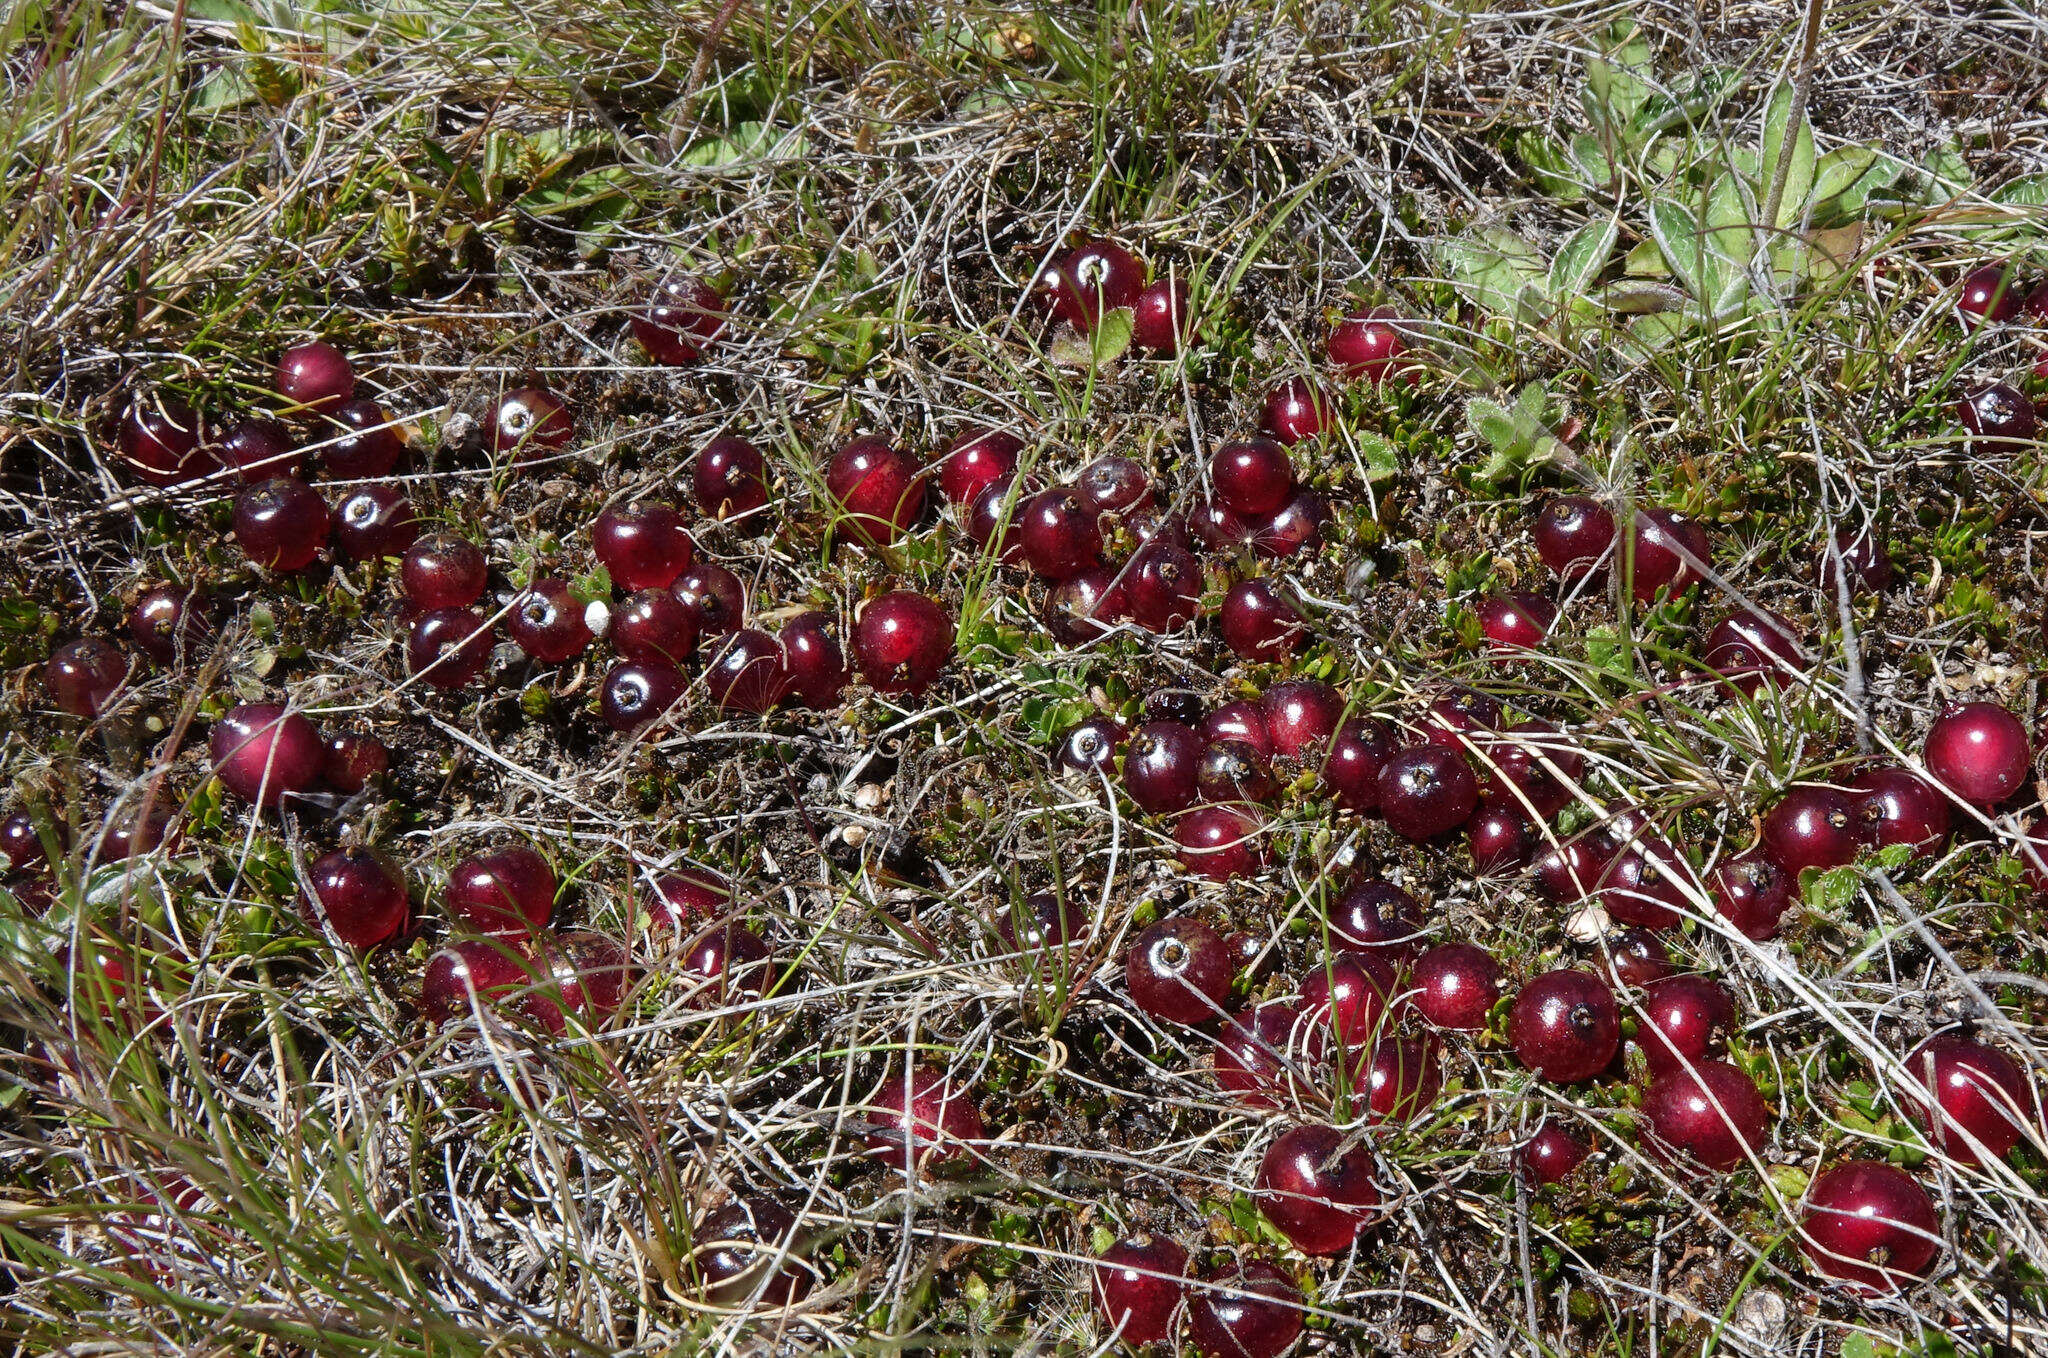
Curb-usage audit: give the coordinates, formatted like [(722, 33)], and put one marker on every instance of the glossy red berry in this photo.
[(728, 963), (1502, 837), (164, 441), (653, 626), (474, 974), (507, 894), (977, 459), (1537, 764), (1565, 1026), (1179, 971), (1752, 893), (260, 449), (442, 570), (1140, 1282), (1370, 345), (1041, 921), (1980, 752), (1295, 410), (1574, 535), (1250, 1310), (1402, 1079), (715, 598), (1752, 649), (1456, 986), (1635, 958), (1575, 868), (812, 661), (1296, 526), (1219, 843), (674, 900), (1253, 477), (922, 1118), (1257, 1053), (901, 642), (314, 377), (1999, 417), (1236, 720), (1456, 720), (1990, 292), (1710, 1111), (547, 622), (136, 831), (449, 648), (1162, 766), (1164, 586), (374, 521), (750, 1250), (354, 761), (993, 512), (592, 972), (1552, 1154), (1812, 827), (281, 524), (1054, 292), (1345, 997), (21, 842), (1105, 277), (1115, 485), (1379, 918), (1058, 533), (1658, 567), (529, 423), (1091, 746), (83, 676), (1648, 884), (729, 478), (1162, 318), (1514, 623), (1683, 1020), (361, 896), (642, 546), (1869, 1224), (1894, 806), (1981, 1096), (685, 315), (1318, 1192), (357, 441), (262, 753), (1259, 624), (1863, 554), (1083, 607), (1302, 715), (878, 489), (634, 696), (1358, 752), (1218, 527), (1427, 791), (746, 673), (1232, 771)]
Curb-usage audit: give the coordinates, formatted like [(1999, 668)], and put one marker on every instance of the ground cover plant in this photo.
[(955, 678)]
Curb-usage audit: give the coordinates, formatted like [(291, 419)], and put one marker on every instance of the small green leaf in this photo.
[(2026, 191), (1829, 890), (1382, 459), (1552, 164), (1494, 268), (1582, 257), (1799, 176)]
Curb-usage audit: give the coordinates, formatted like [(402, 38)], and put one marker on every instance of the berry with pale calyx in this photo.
[(714, 597), (374, 521), (547, 622), (1295, 410), (281, 523), (449, 647), (263, 753), (530, 423), (901, 642), (315, 377), (1091, 746), (878, 489), (1565, 1026), (634, 696), (1113, 485), (1179, 971), (729, 478), (685, 315), (642, 546)]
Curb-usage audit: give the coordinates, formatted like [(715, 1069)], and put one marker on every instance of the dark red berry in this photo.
[(1574, 535), (357, 441), (812, 661), (1302, 715), (260, 449), (1041, 921), (976, 460), (530, 422), (1162, 320), (1296, 526), (1863, 553), (1179, 971), (1164, 585), (281, 523), (164, 442), (1346, 996), (507, 894), (1233, 721), (1552, 1154), (1106, 276), (727, 962), (547, 622), (1658, 567), (262, 753), (449, 647), (1893, 806), (1648, 883), (374, 521), (442, 570), (901, 641), (1456, 985), (1317, 1190), (1055, 293), (1999, 417), (745, 672), (642, 546), (1219, 843), (674, 900), (473, 974), (685, 315), (1812, 827), (1684, 1019), (1162, 765), (354, 761), (1537, 762), (1113, 485), (1980, 752), (1565, 1026), (1869, 1224), (878, 489), (1752, 893), (1252, 478), (21, 842), (1402, 1080), (1502, 836), (1636, 957), (315, 377), (1232, 771), (1058, 533), (1369, 344), (592, 972), (1990, 292), (749, 1249), (1218, 527), (1083, 607), (715, 598), (729, 478), (634, 696), (1091, 746), (1256, 1056), (1248, 1310), (361, 896), (1982, 1095), (1575, 868), (136, 831), (1379, 917), (1455, 719), (1513, 623), (1427, 791), (921, 1118), (1140, 1282), (1358, 752), (1709, 1111), (1749, 649), (1295, 410), (653, 626), (992, 511), (83, 676)]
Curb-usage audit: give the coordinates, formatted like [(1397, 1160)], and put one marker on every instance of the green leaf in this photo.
[(1592, 160), (1582, 257), (2026, 191), (1518, 436), (1382, 459), (1616, 86), (1494, 268), (1677, 233), (1654, 333), (1111, 337), (1551, 162), (1661, 112), (1862, 1345), (1829, 890), (1730, 243), (1799, 176)]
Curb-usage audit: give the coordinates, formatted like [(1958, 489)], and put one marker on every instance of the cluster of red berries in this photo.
[(1998, 415)]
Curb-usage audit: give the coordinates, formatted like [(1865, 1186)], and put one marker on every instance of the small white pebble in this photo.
[(854, 835), (597, 616), (1588, 923), (868, 796)]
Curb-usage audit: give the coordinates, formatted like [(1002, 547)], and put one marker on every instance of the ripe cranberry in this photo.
[(1636, 957), (1454, 719), (1552, 1154), (1748, 648), (1378, 917), (714, 597), (1574, 535), (1516, 622), (1752, 893), (812, 663), (2035, 305), (359, 442), (675, 899), (729, 478), (1427, 791), (1253, 477), (727, 961), (976, 460), (134, 832), (877, 488), (1982, 1095), (1869, 1224), (1575, 868), (1538, 762), (1813, 827), (1232, 771), (1162, 319), (1179, 971), (1456, 986), (374, 521), (1248, 1310), (443, 570), (1991, 292), (449, 648), (654, 627), (1164, 584), (1302, 715), (1565, 1026), (262, 753), (83, 676), (352, 762), (1648, 884), (642, 546), (685, 315), (1055, 293), (1359, 751), (361, 897), (1041, 921), (1316, 1191), (21, 842), (1684, 1020), (260, 449), (507, 894), (1235, 721), (746, 672), (1864, 554), (1998, 416), (315, 377), (921, 1117), (901, 641), (1893, 806), (1092, 744), (1402, 1080), (1219, 843), (530, 422), (634, 696), (1294, 527), (1369, 344), (546, 621), (1058, 533), (1106, 276), (1256, 1054), (1658, 568), (1295, 410), (1162, 765), (1218, 527), (281, 523), (1979, 751), (748, 1250), (592, 972), (1085, 606), (1347, 995), (1502, 836), (471, 974), (164, 442), (1139, 1286), (991, 512), (1710, 1111)]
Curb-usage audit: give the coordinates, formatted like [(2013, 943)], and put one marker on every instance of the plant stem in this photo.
[(1802, 86)]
